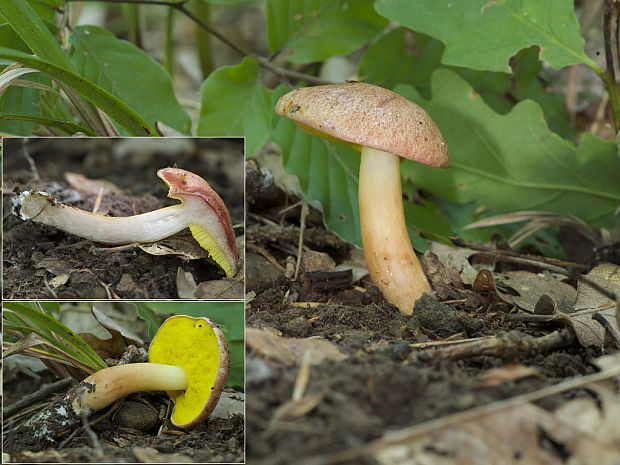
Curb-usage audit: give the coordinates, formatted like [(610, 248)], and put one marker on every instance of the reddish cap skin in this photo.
[(369, 116), (182, 183)]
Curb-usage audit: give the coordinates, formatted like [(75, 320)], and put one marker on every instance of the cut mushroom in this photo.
[(385, 126), (201, 209), (188, 357)]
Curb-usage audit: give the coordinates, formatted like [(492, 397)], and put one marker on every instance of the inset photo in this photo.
[(123, 382), (123, 218)]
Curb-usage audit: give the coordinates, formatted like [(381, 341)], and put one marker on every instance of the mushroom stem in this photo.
[(201, 209), (391, 260), (110, 384), (146, 227)]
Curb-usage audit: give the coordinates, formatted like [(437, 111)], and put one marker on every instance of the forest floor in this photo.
[(40, 262), (335, 374)]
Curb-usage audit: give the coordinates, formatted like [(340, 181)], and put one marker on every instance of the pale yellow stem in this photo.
[(391, 260), (110, 384)]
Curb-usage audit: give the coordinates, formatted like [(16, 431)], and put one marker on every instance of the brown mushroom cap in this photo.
[(369, 116)]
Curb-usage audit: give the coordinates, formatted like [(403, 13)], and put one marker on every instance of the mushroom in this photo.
[(201, 209), (188, 357), (386, 127)]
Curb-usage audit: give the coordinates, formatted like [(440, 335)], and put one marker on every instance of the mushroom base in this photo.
[(391, 260)]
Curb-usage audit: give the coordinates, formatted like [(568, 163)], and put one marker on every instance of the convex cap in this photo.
[(198, 346), (370, 116)]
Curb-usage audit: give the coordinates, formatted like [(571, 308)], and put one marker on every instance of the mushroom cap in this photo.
[(370, 116), (184, 183), (199, 347)]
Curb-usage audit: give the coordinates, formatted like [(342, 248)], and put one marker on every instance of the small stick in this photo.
[(36, 396), (509, 346), (300, 245), (608, 327), (91, 434)]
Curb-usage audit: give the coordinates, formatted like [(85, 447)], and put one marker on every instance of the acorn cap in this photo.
[(198, 346), (368, 115)]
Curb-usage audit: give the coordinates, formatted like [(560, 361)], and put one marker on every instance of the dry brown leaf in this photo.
[(457, 257), (151, 455), (508, 372), (530, 287), (606, 275), (297, 408), (112, 326), (220, 289), (89, 186), (589, 331), (115, 346), (590, 301), (183, 245), (290, 351)]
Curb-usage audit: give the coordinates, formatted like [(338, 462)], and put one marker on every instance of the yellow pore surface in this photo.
[(191, 344), (207, 242)]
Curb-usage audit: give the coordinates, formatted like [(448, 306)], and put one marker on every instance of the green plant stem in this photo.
[(609, 75), (614, 99), (203, 42), (168, 42), (132, 18)]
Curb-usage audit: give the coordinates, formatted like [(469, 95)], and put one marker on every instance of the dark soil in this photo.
[(40, 262), (383, 383)]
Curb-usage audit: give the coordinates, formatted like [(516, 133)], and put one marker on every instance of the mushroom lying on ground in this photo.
[(201, 209), (188, 357), (386, 126)]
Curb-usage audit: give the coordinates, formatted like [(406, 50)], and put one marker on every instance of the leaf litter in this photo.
[(489, 372)]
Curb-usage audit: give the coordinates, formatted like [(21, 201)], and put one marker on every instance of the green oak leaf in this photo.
[(514, 162), (128, 73), (235, 103), (418, 56), (314, 30), (484, 34)]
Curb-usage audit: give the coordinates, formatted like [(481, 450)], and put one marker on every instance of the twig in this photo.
[(31, 163), (609, 75), (300, 244), (36, 396), (91, 434), (509, 346), (600, 319), (607, 22)]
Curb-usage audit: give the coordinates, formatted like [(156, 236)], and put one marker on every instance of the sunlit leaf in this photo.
[(514, 162), (483, 34), (235, 103), (314, 30), (128, 73)]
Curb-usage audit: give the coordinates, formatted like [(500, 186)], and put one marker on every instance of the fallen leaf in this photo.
[(183, 245), (508, 372), (606, 275), (89, 186), (151, 455), (529, 287), (297, 408), (186, 285), (112, 326), (457, 257), (290, 351)]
